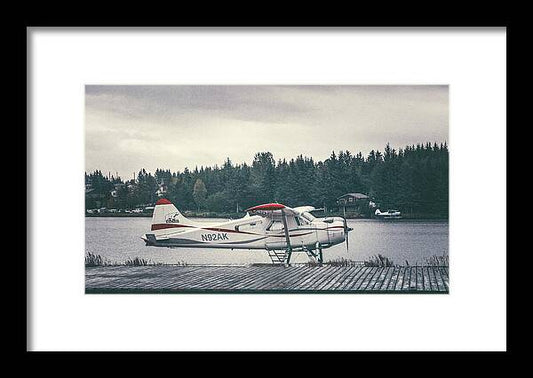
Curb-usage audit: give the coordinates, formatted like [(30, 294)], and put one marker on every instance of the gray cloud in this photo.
[(172, 102), (131, 127)]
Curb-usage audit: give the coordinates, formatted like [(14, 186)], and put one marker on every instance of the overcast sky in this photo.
[(173, 127)]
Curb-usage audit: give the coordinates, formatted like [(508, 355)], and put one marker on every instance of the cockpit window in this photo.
[(308, 217), (245, 227), (275, 226)]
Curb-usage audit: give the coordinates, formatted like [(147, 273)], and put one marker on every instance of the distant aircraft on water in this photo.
[(389, 214)]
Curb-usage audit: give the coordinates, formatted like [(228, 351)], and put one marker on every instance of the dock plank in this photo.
[(322, 281), (356, 279), (419, 278), (291, 274), (229, 278), (393, 278), (337, 280), (399, 279), (303, 280), (444, 276), (256, 273), (342, 285), (380, 279), (267, 282), (407, 278), (367, 270), (411, 284), (368, 278), (427, 280), (310, 276), (432, 279)]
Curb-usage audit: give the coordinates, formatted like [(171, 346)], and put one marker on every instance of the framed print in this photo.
[(321, 175)]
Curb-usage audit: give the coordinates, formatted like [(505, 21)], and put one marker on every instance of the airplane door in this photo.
[(302, 234), (329, 232), (276, 235), (277, 238)]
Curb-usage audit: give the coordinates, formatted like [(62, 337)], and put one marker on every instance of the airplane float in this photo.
[(276, 228)]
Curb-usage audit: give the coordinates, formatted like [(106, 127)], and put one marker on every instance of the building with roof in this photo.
[(354, 203)]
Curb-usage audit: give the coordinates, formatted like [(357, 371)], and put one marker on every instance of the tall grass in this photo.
[(138, 262), (343, 262), (337, 262), (378, 261), (434, 260), (92, 259)]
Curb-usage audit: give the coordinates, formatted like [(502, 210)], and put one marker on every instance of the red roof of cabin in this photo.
[(163, 201)]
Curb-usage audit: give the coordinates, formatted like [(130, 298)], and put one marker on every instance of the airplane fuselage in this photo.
[(250, 232)]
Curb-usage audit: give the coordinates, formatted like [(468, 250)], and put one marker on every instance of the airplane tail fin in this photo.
[(166, 215)]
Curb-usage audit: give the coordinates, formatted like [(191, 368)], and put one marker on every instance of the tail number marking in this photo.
[(215, 237)]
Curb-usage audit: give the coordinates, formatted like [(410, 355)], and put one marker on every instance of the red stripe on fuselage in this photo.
[(282, 236), (228, 230), (162, 226)]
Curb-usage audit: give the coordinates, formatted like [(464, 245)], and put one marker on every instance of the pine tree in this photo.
[(413, 179), (199, 193)]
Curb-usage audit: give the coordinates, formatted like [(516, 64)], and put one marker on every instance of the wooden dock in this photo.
[(266, 279)]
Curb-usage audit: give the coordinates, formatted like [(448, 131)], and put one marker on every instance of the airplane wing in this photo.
[(303, 209), (271, 209)]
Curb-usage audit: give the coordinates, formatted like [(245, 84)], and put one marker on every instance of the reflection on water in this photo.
[(119, 239)]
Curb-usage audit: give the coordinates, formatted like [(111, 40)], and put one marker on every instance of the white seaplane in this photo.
[(276, 228), (389, 214)]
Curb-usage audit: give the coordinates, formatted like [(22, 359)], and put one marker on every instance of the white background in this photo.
[(471, 317)]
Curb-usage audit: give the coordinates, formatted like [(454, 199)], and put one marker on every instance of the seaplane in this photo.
[(389, 214), (274, 227)]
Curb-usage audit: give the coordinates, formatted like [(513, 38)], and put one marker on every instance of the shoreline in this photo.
[(237, 216)]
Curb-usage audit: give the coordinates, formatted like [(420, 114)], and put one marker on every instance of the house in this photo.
[(354, 202), (352, 198)]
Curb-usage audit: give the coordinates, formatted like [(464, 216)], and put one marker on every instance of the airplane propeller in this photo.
[(346, 229)]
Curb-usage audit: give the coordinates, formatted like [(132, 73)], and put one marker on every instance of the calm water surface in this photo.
[(119, 239)]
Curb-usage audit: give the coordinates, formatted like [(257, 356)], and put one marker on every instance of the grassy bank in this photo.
[(93, 260)]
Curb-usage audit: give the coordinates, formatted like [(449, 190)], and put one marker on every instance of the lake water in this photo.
[(119, 239)]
